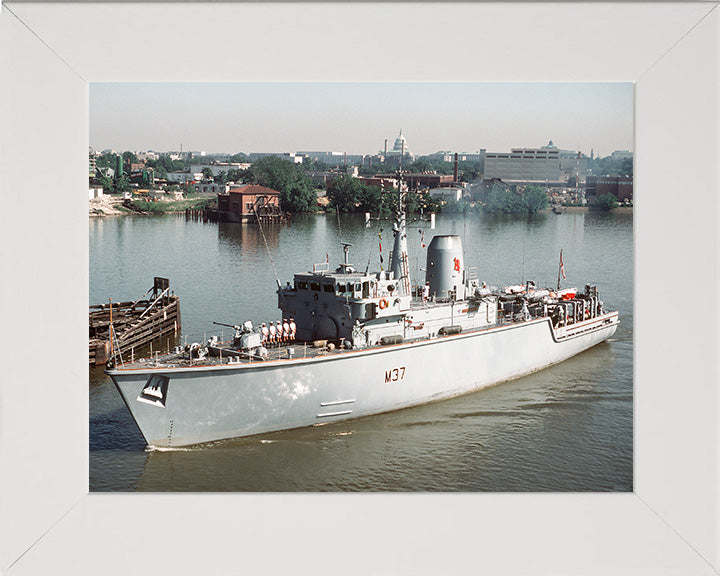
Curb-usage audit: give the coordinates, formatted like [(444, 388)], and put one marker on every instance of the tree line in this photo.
[(298, 192)]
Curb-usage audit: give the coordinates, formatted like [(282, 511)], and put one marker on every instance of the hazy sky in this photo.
[(357, 117)]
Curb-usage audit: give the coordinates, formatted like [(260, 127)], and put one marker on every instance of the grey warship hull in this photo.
[(178, 405)]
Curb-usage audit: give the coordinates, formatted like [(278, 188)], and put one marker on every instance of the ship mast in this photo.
[(399, 264)]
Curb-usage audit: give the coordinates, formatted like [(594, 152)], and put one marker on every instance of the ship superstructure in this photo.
[(354, 343)]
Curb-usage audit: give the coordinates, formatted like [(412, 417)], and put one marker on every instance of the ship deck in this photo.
[(292, 351), (278, 352), (229, 356)]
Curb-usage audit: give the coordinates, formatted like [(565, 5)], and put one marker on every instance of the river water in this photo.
[(566, 428)]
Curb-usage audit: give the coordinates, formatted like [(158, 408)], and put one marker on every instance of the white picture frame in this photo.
[(49, 523)]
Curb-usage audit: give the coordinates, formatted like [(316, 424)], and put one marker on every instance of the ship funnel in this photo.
[(445, 268)]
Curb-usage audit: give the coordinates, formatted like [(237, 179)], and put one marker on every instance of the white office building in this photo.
[(450, 194), (333, 158), (289, 156), (184, 177), (219, 167)]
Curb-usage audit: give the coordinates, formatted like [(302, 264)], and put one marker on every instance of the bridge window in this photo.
[(301, 285), (315, 286), (328, 288)]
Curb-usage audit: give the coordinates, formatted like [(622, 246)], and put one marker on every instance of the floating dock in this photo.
[(134, 324)]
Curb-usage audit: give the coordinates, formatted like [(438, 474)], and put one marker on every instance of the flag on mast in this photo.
[(561, 270), (380, 246)]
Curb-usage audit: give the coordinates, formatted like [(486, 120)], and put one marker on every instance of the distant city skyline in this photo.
[(357, 118)]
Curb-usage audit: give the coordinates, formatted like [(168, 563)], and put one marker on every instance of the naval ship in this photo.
[(354, 343)]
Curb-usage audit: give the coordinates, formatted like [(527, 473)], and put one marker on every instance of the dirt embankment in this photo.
[(106, 206)]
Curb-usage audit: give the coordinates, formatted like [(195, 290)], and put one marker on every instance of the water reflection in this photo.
[(249, 235)]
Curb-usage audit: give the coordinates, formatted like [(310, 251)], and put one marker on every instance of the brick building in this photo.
[(246, 203), (619, 186)]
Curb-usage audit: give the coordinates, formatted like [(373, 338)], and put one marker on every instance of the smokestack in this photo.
[(385, 146), (455, 168)]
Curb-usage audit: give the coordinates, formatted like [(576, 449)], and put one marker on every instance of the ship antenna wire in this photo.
[(337, 213), (522, 274), (267, 249), (370, 252)]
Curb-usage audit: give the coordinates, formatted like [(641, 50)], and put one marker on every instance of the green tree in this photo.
[(612, 167), (468, 171), (413, 202), (130, 157), (297, 193), (239, 158), (106, 160), (314, 165), (368, 170), (107, 184), (535, 199), (462, 206), (606, 202), (427, 203), (344, 193), (369, 198), (166, 164), (298, 198), (626, 167), (122, 184), (207, 173), (502, 200), (424, 164), (234, 175)]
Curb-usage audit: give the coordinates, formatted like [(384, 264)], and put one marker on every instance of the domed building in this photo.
[(397, 150)]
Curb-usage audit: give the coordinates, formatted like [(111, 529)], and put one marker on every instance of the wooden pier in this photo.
[(155, 314), (263, 215), (201, 215)]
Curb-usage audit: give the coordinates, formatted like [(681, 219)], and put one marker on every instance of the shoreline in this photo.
[(115, 206), (590, 209), (108, 206)]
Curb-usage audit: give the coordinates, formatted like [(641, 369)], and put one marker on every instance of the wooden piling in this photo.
[(134, 323)]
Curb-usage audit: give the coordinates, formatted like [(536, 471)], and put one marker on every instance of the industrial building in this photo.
[(619, 186), (524, 164)]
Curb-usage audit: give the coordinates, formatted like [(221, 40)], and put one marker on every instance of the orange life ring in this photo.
[(383, 304)]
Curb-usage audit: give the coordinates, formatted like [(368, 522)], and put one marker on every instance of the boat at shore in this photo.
[(352, 343)]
